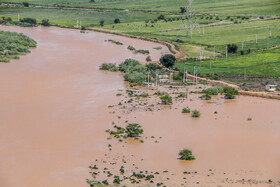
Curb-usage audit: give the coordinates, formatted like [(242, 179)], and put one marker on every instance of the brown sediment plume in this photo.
[(54, 113)]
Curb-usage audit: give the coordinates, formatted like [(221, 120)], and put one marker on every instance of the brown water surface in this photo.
[(54, 113), (53, 105)]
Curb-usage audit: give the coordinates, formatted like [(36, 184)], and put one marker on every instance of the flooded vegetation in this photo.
[(64, 122)]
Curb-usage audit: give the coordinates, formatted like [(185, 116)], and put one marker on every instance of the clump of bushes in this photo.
[(45, 22), (13, 44), (214, 90), (230, 92), (148, 59), (195, 114), (28, 20), (145, 52), (108, 67), (205, 97), (131, 48), (115, 42), (232, 48), (166, 99), (186, 110), (133, 130), (186, 154)]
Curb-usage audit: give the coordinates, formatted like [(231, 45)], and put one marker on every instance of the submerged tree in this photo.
[(133, 129), (230, 92), (186, 154)]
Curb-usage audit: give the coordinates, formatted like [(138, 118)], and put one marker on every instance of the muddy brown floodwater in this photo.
[(54, 113)]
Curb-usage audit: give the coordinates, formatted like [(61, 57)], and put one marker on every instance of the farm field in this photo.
[(232, 7), (257, 64)]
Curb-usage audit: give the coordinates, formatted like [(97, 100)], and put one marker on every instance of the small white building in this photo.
[(271, 87)]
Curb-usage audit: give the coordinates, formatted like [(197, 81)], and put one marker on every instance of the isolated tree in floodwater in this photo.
[(133, 129), (186, 154), (230, 92)]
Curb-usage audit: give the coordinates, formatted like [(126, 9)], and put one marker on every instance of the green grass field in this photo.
[(248, 7), (266, 63)]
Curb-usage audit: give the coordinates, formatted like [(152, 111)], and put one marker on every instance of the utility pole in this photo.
[(244, 72), (226, 52), (156, 77), (148, 79), (200, 52), (242, 45), (184, 74), (256, 38), (77, 22), (203, 29), (171, 75), (189, 19)]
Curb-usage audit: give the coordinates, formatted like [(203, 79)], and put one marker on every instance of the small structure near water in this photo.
[(271, 87)]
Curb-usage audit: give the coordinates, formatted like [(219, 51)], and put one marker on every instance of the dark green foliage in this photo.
[(115, 42), (148, 59), (182, 9), (161, 17), (213, 91), (109, 67), (186, 154), (153, 66), (205, 97), (92, 1), (195, 114), (28, 20), (134, 71), (101, 23), (134, 129), (230, 92), (232, 48), (166, 99), (131, 48), (45, 22), (26, 4), (117, 20), (145, 52), (168, 60), (13, 44), (186, 110)]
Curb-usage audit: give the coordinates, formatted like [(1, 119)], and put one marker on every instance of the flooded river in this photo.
[(54, 111)]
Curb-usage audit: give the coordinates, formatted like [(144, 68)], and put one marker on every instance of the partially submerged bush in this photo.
[(130, 48), (166, 99), (109, 67), (230, 92), (133, 130), (195, 114), (205, 97), (186, 154), (45, 22), (186, 110), (213, 91), (14, 44)]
